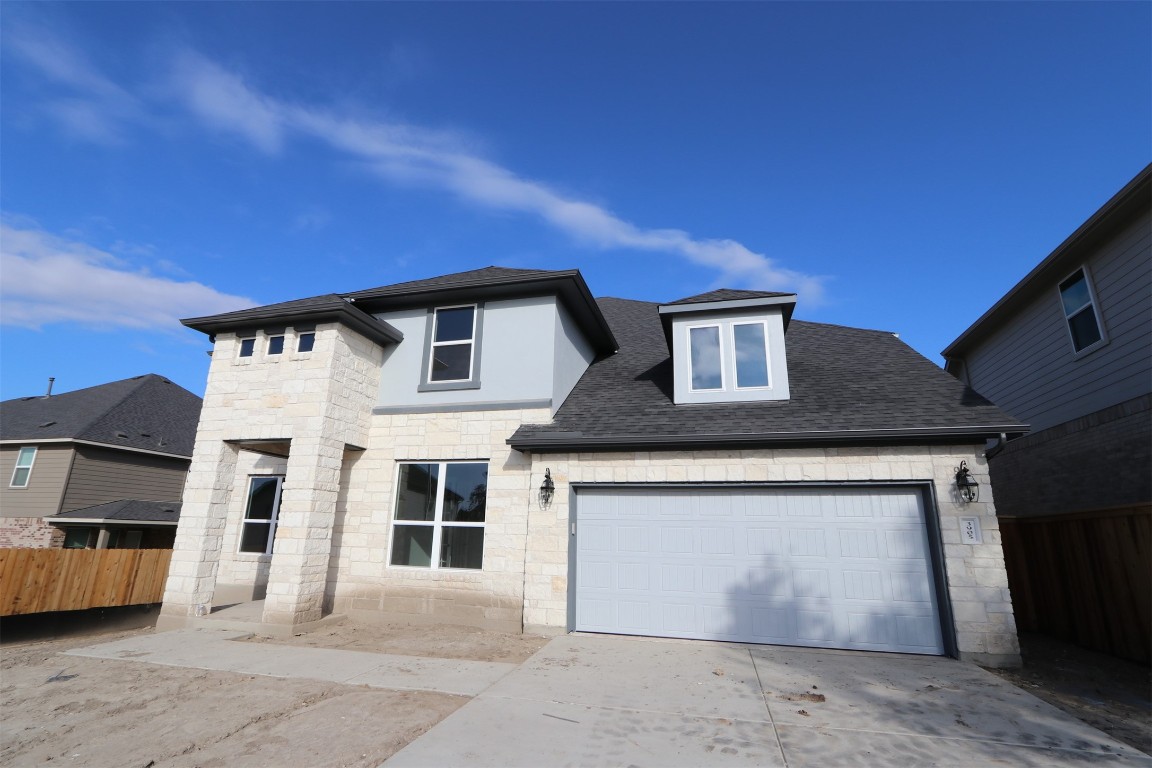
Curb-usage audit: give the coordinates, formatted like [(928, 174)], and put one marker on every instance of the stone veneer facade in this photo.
[(332, 542)]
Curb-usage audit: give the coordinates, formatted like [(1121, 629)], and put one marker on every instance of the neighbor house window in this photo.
[(706, 359), (259, 528), (305, 342), (80, 538), (1080, 312), (275, 345), (750, 351), (439, 516), (453, 337), (23, 470), (247, 347)]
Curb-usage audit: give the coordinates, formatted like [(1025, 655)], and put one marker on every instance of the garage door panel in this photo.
[(837, 568)]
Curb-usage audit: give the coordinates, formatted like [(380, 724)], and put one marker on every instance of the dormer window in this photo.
[(452, 354), (728, 346)]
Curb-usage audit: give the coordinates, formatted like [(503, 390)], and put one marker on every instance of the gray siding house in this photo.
[(499, 448), (96, 467), (1069, 350)]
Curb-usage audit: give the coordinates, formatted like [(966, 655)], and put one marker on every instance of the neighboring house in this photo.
[(96, 467), (1069, 349), (498, 448)]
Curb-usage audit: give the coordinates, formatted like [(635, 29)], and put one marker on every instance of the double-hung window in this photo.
[(453, 344), (258, 531), (1080, 311), (439, 515), (23, 471)]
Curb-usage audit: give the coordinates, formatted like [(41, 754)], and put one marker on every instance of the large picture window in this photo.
[(1080, 311), (439, 515), (258, 530), (23, 471)]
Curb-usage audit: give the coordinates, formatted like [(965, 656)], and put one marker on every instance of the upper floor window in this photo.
[(247, 347), (438, 520), (453, 334), (707, 360), (305, 341), (23, 471), (750, 354), (1078, 301), (711, 347), (276, 345)]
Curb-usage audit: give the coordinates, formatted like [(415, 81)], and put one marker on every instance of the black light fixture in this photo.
[(547, 490), (966, 485)]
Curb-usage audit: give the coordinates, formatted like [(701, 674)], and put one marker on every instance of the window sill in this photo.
[(448, 386)]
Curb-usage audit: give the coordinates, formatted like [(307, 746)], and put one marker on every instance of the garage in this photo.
[(828, 567)]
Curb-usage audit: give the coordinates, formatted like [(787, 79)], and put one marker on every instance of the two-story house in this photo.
[(97, 467), (498, 448), (1069, 350)]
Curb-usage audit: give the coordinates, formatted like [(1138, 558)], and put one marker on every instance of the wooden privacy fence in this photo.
[(1086, 578), (42, 580)]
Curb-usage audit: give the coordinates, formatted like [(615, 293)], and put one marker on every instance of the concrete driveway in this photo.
[(600, 701)]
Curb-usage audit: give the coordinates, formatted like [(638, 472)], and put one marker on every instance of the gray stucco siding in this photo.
[(573, 356), (526, 355), (1029, 368)]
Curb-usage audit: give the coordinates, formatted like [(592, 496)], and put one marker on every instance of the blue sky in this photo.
[(899, 165)]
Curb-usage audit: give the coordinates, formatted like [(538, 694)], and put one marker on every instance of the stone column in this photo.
[(196, 552), (299, 572)]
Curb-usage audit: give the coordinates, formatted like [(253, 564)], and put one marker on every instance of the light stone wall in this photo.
[(321, 401), (977, 581), (363, 585)]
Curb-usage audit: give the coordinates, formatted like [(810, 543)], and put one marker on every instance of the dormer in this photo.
[(728, 346)]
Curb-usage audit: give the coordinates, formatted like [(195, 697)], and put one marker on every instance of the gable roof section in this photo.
[(317, 309), (125, 510), (356, 309), (728, 294), (143, 413), (492, 283), (848, 386), (1135, 199)]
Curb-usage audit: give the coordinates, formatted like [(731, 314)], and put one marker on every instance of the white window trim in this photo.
[(271, 523), (723, 362), (1093, 302), (28, 466), (433, 344), (736, 363), (436, 523)]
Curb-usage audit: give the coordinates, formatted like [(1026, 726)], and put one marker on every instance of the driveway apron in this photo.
[(593, 700)]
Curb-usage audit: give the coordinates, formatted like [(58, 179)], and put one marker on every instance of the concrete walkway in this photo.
[(218, 650), (609, 701)]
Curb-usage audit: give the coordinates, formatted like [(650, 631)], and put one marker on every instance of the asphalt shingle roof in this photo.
[(127, 510), (728, 294), (146, 412), (471, 278), (842, 380)]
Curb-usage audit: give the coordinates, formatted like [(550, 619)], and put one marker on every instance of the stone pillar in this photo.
[(299, 572), (196, 552)]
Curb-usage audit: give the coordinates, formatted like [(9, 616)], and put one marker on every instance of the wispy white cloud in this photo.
[(407, 154), (95, 108), (311, 220), (225, 102), (50, 279)]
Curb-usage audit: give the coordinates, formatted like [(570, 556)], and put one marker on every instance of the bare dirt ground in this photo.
[(1110, 694), (66, 710), (432, 640)]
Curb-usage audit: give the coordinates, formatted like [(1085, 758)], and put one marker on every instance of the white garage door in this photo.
[(822, 567)]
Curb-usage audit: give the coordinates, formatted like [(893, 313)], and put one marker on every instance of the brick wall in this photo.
[(28, 532), (1099, 461)]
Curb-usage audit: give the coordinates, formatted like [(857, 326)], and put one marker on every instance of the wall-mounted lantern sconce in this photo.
[(966, 485), (547, 490)]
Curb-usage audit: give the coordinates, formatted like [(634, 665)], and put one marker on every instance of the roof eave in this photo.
[(347, 315), (1133, 200), (572, 441), (569, 285)]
